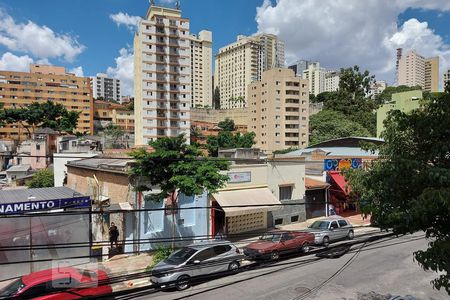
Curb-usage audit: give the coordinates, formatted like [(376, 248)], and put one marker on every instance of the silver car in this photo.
[(330, 230), (196, 260)]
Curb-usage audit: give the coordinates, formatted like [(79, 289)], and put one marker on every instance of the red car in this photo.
[(271, 244), (59, 283)]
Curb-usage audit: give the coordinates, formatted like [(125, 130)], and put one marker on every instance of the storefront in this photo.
[(239, 211), (34, 238)]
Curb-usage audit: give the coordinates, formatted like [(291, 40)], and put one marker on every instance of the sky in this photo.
[(90, 37)]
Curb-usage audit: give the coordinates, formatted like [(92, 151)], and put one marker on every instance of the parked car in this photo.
[(275, 243), (58, 283), (195, 260), (330, 230)]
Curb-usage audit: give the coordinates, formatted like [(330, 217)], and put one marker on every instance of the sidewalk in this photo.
[(128, 265)]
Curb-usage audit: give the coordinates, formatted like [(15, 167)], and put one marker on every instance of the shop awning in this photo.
[(340, 181), (248, 201)]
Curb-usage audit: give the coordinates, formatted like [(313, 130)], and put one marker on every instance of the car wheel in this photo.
[(274, 255), (305, 248), (326, 241), (183, 282), (350, 235), (233, 266)]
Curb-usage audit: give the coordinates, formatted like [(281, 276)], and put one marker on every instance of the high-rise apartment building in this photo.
[(299, 67), (316, 78), (279, 110), (242, 62), (201, 69), (272, 51), (162, 75), (431, 74), (446, 78), (332, 79), (106, 88), (416, 70), (46, 83)]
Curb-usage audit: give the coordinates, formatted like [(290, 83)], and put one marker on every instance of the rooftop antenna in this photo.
[(177, 5), (152, 2)]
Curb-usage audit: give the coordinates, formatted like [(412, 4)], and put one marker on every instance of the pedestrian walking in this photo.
[(113, 235)]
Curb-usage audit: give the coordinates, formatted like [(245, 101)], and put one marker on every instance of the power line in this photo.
[(300, 202)]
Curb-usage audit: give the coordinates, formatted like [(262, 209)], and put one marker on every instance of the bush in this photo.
[(160, 254)]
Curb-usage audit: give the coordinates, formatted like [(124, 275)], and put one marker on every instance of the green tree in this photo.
[(177, 168), (41, 115), (312, 98), (351, 98), (41, 179), (408, 187), (329, 124), (228, 140), (130, 106), (227, 125), (115, 132), (216, 98)]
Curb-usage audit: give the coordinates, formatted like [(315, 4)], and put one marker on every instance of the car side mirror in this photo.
[(196, 262)]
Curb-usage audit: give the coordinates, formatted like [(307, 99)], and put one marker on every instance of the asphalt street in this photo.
[(380, 267)]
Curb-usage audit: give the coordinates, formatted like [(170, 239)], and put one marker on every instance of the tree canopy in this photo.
[(41, 115), (227, 125), (41, 179), (115, 132), (348, 111), (228, 140), (329, 124), (408, 188), (175, 166), (216, 98)]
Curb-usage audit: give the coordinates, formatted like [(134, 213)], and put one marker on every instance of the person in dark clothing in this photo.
[(113, 235)]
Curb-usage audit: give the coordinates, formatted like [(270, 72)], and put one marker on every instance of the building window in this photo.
[(294, 218), (286, 192), (278, 221)]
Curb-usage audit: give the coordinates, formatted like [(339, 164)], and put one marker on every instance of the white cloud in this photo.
[(78, 71), (40, 41), (342, 33), (124, 70), (11, 62), (131, 22)]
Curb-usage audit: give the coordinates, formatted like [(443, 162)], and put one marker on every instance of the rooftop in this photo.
[(19, 168), (42, 194)]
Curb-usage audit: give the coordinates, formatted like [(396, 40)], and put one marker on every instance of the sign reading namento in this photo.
[(34, 206)]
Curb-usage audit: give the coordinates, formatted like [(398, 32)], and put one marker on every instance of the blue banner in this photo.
[(342, 164), (34, 206)]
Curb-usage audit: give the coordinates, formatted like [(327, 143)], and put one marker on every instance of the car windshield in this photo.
[(180, 256), (12, 289), (319, 225), (272, 237)]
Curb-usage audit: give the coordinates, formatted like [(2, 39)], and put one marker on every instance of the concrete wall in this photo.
[(59, 164), (274, 175), (238, 115), (405, 102), (156, 227)]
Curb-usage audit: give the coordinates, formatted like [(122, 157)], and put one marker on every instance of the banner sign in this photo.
[(238, 177), (33, 206), (342, 164)]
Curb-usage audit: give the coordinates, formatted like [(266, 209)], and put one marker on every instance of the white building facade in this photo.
[(106, 88), (201, 69), (162, 75)]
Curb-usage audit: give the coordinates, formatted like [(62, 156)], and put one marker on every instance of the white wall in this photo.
[(59, 164)]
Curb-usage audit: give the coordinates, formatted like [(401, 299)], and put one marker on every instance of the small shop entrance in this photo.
[(218, 219)]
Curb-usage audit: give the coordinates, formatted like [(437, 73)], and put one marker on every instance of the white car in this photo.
[(330, 230)]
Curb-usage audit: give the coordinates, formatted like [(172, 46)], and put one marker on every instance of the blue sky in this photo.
[(85, 37)]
